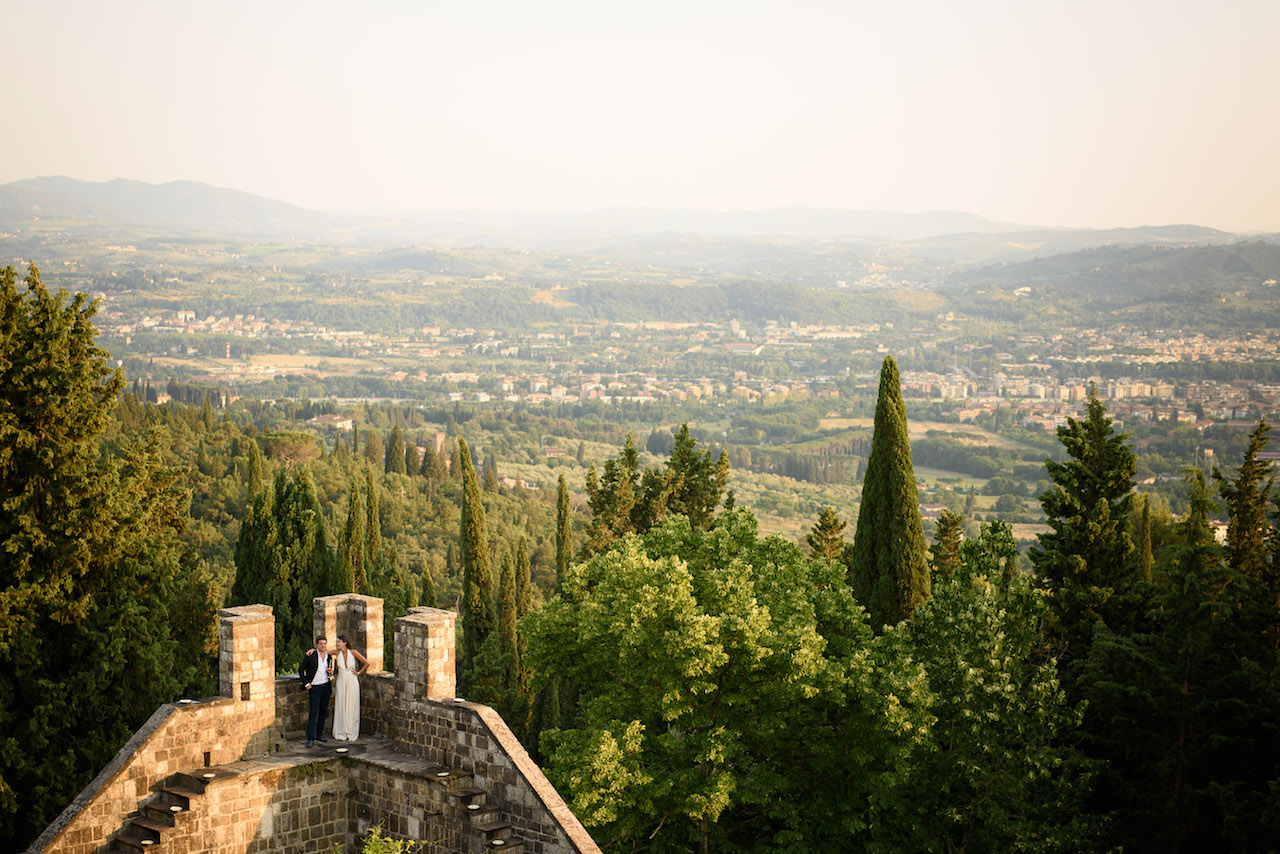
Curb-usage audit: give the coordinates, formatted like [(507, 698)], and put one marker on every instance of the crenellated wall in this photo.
[(429, 767), (181, 736)]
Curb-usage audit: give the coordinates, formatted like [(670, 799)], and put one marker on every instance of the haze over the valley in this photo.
[(1089, 114)]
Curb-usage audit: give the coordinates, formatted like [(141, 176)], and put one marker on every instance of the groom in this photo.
[(314, 672)]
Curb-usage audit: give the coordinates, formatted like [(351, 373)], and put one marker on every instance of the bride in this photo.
[(348, 664)]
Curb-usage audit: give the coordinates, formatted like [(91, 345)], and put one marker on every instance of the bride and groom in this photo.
[(324, 675)]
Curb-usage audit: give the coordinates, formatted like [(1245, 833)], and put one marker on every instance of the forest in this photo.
[(687, 682)]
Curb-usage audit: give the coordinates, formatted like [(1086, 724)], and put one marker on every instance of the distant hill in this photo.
[(985, 249), (809, 223), (1128, 275), (178, 205)]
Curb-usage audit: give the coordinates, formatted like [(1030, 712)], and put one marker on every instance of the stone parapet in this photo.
[(425, 654), (359, 618)]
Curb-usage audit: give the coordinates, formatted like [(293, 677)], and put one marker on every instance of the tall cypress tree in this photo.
[(889, 567), (524, 604), (410, 458), (490, 474), (255, 468), (1146, 557), (564, 531), (354, 542), (478, 618), (284, 559), (507, 617), (373, 520), (393, 461)]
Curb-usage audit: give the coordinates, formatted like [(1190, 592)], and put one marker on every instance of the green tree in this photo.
[(394, 457), (410, 458), (1182, 709), (1146, 556), (93, 588), (826, 540), (374, 451), (490, 474), (373, 519), (433, 465), (283, 559), (945, 551), (888, 563), (508, 615), (1248, 496), (524, 599), (478, 618), (255, 468), (721, 679), (564, 531), (352, 548), (1084, 560), (693, 483), (1000, 775)]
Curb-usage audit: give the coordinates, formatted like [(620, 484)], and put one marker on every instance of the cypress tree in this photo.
[(1146, 558), (374, 451), (946, 545), (410, 458), (353, 561), (393, 461), (524, 604), (564, 531), (507, 616), (889, 568), (826, 539), (373, 520), (478, 618), (255, 468), (490, 475)]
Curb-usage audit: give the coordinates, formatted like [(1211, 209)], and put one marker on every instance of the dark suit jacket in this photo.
[(307, 669)]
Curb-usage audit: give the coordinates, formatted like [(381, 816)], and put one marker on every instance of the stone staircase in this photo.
[(488, 831), (165, 811)]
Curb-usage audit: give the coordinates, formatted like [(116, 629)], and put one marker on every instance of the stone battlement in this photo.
[(228, 774)]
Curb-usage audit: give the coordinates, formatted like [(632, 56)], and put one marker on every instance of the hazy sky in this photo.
[(1057, 113)]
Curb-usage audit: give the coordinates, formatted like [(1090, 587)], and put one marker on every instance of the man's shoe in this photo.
[(311, 744), (321, 738)]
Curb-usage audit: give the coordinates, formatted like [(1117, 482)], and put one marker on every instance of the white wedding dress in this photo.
[(346, 698)]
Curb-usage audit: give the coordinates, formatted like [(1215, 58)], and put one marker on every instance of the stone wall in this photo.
[(426, 660), (287, 809), (444, 764), (473, 738), (358, 618), (181, 736)]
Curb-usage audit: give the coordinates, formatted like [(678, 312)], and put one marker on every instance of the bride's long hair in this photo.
[(346, 645)]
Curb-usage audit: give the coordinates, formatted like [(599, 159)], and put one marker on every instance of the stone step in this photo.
[(149, 825), (510, 844), (128, 843), (469, 795), (159, 813), (493, 829)]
